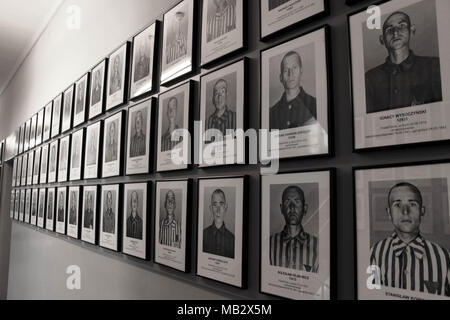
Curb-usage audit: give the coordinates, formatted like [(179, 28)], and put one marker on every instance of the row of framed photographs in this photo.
[(402, 228)]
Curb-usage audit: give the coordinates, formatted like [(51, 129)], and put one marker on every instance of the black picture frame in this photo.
[(64, 177), (102, 96), (67, 120), (118, 217), (46, 132), (26, 145), (79, 120), (50, 224), (87, 176), (40, 127), (72, 176), (79, 189), (57, 114), (125, 77), (120, 145), (95, 218), (32, 131)]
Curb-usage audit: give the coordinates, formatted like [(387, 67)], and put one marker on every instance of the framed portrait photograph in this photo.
[(144, 61), (12, 203), (53, 162), (92, 152), (47, 122), (19, 171), (399, 83), (63, 162), (23, 176), (21, 138), (295, 235), (44, 164), (221, 222), (109, 221), (26, 143), (77, 155), (222, 112), (50, 218), (33, 131), (135, 229), (61, 210), (178, 39), (113, 138), (56, 116), (89, 220), (36, 162), (14, 173), (174, 113), (34, 206), (403, 227), (40, 126), (27, 205), (30, 168), (171, 224), (118, 69), (17, 205), (138, 138), (74, 217), (295, 97), (67, 111), (41, 208), (97, 88), (223, 30), (22, 205), (81, 100), (278, 15)]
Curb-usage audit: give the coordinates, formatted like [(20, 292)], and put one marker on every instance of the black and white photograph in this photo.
[(171, 223), (21, 138), (220, 230), (135, 220), (34, 206), (399, 74), (47, 122), (19, 171), (117, 77), (109, 217), (277, 15), (63, 163), (57, 115), (73, 213), (22, 205), (41, 208), (35, 163), (112, 145), (222, 110), (89, 214), (77, 155), (295, 235), (44, 164), (30, 168), (53, 162), (138, 138), (17, 205), (61, 210), (33, 131), (27, 205), (12, 203), (144, 53), (67, 109), (177, 57), (92, 151), (26, 143), (81, 100), (295, 97), (40, 126), (23, 177), (173, 117), (403, 227), (14, 173), (222, 28), (97, 88), (50, 218)]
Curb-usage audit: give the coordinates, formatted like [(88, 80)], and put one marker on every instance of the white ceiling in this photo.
[(21, 24)]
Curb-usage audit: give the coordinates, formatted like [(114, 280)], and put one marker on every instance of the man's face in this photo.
[(97, 78), (109, 200), (138, 123), (116, 64), (172, 109), (112, 132), (220, 95), (218, 208), (291, 72), (405, 210), (219, 3), (170, 203), (396, 32), (293, 208)]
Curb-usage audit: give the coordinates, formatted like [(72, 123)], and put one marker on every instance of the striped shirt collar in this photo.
[(417, 245), (167, 223), (224, 115), (223, 11), (301, 237)]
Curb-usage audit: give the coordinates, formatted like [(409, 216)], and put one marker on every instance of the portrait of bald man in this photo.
[(134, 220), (222, 118), (109, 221), (169, 226), (406, 259), (137, 142), (293, 247), (405, 78), (167, 144)]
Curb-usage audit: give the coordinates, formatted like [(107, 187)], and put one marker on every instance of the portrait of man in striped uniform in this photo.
[(134, 220), (167, 144), (177, 46), (293, 247), (137, 142), (406, 260), (109, 220), (169, 226), (222, 19)]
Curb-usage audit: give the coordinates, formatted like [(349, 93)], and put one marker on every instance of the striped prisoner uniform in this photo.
[(420, 266), (170, 233), (176, 49), (299, 252), (227, 121), (221, 22)]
